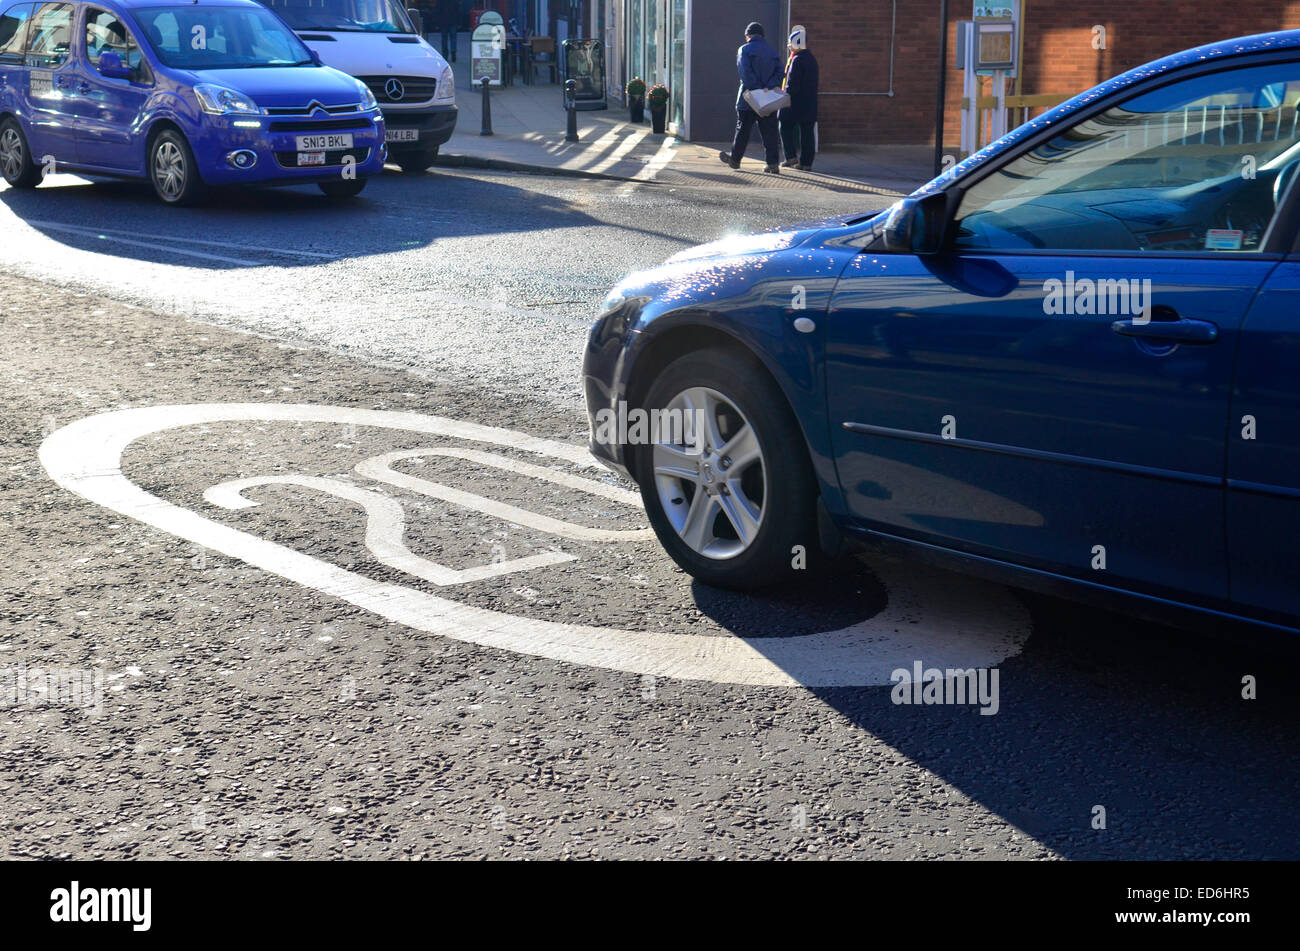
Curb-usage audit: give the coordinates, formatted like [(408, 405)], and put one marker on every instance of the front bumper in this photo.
[(273, 140), (434, 124), (605, 367)]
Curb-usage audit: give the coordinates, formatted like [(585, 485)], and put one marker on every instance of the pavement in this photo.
[(528, 135)]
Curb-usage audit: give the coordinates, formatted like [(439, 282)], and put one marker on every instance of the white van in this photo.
[(375, 41)]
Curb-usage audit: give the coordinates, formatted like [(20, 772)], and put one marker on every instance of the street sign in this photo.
[(486, 43)]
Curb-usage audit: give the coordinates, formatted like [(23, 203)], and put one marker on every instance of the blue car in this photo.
[(1071, 362), (188, 96)]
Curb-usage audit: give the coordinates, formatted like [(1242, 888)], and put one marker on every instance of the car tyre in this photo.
[(417, 163), (343, 188), (173, 171), (767, 492), (16, 158)]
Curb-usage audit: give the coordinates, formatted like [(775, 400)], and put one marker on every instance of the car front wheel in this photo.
[(725, 477), (344, 188), (417, 163), (173, 171)]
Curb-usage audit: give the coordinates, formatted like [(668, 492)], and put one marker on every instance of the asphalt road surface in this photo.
[(298, 492)]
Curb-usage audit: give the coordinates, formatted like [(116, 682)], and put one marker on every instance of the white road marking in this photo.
[(626, 146), (237, 246), (135, 243), (942, 620), (379, 469), (385, 528), (657, 163)]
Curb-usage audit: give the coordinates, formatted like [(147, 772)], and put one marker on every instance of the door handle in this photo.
[(1178, 330), (83, 87)]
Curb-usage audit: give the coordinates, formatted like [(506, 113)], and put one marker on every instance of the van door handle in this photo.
[(83, 87), (1181, 330)]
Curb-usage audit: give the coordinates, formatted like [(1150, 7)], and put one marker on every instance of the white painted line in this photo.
[(656, 164), (385, 528), (379, 469), (627, 145), (170, 248), (940, 619), (235, 246)]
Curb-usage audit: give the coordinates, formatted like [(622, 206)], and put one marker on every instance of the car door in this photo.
[(51, 84), (111, 111), (1264, 454), (1053, 390)]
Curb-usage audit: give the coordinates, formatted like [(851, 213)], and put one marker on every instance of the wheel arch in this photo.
[(677, 341)]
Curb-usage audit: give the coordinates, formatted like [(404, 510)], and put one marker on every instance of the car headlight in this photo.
[(368, 100), (446, 86), (220, 100)]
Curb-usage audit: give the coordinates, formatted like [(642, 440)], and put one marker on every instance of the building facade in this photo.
[(879, 59)]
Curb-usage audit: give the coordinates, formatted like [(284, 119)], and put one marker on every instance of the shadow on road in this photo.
[(287, 226), (1099, 709)]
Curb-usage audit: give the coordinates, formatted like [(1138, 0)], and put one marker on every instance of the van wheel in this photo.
[(417, 163), (16, 158), (346, 188), (173, 171), (730, 492)]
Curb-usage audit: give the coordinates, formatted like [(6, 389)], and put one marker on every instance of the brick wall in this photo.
[(851, 39)]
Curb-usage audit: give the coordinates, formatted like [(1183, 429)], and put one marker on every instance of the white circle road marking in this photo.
[(943, 620)]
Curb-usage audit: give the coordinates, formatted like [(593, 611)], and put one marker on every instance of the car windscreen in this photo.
[(344, 16), (214, 37)]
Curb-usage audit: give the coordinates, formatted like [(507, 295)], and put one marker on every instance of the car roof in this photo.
[(142, 4), (1237, 46)]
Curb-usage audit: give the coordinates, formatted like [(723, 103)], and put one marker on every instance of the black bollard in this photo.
[(487, 108), (571, 106)]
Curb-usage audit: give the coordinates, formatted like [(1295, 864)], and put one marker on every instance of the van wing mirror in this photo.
[(110, 66), (417, 20), (919, 225)]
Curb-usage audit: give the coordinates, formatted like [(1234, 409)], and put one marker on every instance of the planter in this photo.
[(659, 118), (636, 110)]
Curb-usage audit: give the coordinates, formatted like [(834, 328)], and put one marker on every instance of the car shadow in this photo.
[(1146, 721), (284, 226)]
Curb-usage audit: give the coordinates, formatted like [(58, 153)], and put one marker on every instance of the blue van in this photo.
[(185, 95)]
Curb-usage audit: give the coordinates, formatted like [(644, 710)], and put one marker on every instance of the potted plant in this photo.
[(658, 99), (636, 99)]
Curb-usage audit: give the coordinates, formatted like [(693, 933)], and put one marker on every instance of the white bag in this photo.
[(767, 101)]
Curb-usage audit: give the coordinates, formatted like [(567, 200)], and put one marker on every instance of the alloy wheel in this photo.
[(710, 473)]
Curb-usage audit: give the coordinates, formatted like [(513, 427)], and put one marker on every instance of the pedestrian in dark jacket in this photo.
[(760, 68), (799, 119), (447, 15)]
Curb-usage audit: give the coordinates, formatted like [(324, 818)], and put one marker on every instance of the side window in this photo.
[(1198, 165), (49, 35), (13, 32), (105, 32)]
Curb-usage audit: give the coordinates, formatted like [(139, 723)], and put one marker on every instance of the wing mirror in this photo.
[(417, 20), (111, 66), (918, 225)]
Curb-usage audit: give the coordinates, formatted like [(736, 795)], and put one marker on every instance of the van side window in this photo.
[(13, 32), (49, 36), (106, 33)]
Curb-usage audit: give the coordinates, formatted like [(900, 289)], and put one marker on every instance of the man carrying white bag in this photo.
[(759, 99)]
